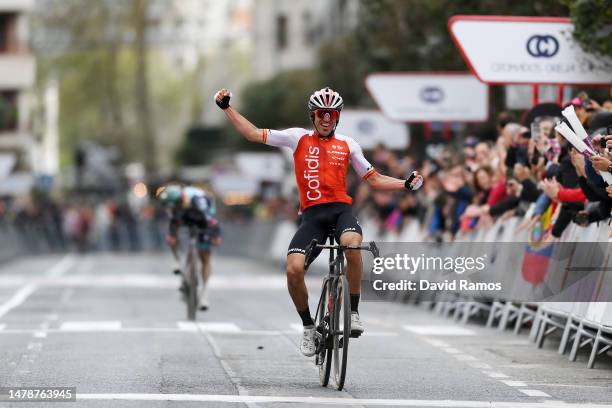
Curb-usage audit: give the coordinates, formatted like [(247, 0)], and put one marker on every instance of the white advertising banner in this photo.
[(370, 127), (430, 97), (525, 50)]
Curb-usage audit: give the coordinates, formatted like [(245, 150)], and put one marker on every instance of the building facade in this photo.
[(17, 75), (287, 34)]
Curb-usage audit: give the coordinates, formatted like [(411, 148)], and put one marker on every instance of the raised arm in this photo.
[(239, 122), (386, 183)]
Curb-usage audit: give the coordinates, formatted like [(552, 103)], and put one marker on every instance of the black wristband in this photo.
[(224, 104)]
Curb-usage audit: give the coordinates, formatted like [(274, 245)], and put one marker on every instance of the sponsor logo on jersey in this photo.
[(311, 174)]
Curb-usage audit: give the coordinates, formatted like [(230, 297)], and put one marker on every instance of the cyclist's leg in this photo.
[(348, 232), (204, 247), (205, 260), (204, 253), (308, 230), (295, 281)]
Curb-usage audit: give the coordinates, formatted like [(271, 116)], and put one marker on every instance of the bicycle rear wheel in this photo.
[(192, 284), (341, 329), (323, 357)]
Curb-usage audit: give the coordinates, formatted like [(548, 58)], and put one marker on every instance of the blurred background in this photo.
[(102, 102)]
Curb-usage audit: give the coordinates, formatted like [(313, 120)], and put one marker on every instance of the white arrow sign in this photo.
[(502, 50)]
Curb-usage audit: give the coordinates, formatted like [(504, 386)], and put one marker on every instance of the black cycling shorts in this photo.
[(318, 221)]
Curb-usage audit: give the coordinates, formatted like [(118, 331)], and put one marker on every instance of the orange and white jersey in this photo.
[(321, 164)]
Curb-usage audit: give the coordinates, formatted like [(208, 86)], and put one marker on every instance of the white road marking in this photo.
[(219, 327), (40, 334), (332, 401), (2, 326), (18, 298), (22, 294), (451, 350), (62, 267), (439, 330), (496, 374), (91, 326), (187, 326), (534, 393), (511, 383)]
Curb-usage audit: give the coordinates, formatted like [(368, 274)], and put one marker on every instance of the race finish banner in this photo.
[(430, 97), (526, 50)]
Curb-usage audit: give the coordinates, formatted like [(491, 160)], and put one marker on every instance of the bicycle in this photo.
[(189, 284), (333, 316)]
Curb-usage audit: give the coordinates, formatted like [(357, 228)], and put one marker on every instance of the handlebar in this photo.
[(314, 244)]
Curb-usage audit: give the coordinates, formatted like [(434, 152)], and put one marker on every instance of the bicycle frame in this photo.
[(333, 335)]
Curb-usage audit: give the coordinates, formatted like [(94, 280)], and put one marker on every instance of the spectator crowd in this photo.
[(530, 169)]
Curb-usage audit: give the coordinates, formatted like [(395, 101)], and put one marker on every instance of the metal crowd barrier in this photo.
[(580, 324)]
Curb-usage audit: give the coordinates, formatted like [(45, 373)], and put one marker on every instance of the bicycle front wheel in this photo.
[(323, 336), (341, 328), (192, 284)]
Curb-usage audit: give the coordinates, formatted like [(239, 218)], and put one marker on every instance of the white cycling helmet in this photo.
[(325, 98)]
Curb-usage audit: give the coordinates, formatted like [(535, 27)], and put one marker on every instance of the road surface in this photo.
[(113, 326)]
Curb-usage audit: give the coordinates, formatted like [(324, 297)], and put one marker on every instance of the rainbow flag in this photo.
[(539, 248)]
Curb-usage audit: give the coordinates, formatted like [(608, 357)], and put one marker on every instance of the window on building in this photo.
[(8, 110), (8, 32), (281, 32), (308, 28)]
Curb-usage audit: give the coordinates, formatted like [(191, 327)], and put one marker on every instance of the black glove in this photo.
[(407, 182), (410, 179), (224, 103)]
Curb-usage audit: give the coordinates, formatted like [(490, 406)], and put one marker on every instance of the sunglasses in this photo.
[(333, 113)]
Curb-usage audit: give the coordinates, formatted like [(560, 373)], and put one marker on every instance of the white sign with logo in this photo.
[(429, 97), (525, 50), (370, 127), (261, 166)]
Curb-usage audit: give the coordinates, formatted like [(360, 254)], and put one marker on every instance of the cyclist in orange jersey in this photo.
[(322, 159)]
